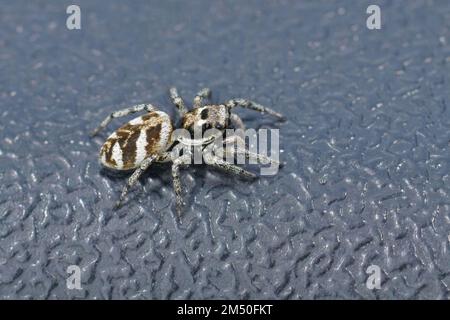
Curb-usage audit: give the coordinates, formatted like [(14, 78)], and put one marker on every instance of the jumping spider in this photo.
[(148, 138)]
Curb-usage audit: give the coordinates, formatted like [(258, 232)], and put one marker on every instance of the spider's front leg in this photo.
[(205, 93), (216, 162), (121, 113), (177, 101), (238, 145), (244, 103)]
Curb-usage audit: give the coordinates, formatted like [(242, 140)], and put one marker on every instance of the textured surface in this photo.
[(367, 179)]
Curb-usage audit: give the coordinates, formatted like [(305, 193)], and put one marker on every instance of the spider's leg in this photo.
[(177, 101), (237, 121), (228, 167), (177, 163), (239, 148), (205, 93), (134, 177), (122, 113), (244, 103)]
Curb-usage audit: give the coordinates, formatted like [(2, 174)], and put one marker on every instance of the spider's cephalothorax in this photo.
[(207, 117), (148, 138)]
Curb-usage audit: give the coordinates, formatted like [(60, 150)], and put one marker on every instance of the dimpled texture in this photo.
[(366, 146)]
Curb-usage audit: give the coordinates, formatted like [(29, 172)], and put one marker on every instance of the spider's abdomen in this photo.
[(128, 146)]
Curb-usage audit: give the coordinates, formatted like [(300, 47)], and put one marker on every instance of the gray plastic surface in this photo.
[(366, 146)]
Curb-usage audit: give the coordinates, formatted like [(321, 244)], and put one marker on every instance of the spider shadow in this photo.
[(159, 172), (218, 182)]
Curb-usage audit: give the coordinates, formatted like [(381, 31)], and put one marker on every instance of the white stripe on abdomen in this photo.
[(117, 155), (141, 144)]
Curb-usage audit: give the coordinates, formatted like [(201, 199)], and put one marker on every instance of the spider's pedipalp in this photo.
[(237, 121), (198, 142)]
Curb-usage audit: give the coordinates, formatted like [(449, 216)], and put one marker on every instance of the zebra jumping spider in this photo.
[(149, 138)]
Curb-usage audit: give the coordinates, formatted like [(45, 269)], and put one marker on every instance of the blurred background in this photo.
[(366, 146)]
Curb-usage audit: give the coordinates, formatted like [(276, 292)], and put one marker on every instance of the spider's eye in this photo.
[(204, 114)]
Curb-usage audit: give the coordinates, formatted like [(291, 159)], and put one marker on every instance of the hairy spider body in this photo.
[(149, 138)]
